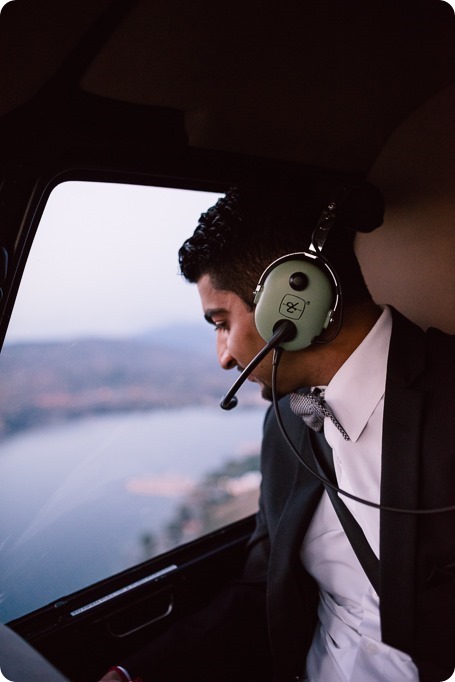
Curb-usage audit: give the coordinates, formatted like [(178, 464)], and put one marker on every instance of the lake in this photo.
[(85, 499)]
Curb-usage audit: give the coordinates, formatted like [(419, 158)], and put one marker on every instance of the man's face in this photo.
[(237, 339)]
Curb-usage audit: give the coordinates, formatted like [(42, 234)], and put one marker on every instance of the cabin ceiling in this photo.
[(322, 83)]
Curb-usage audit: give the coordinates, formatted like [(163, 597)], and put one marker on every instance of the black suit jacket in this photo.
[(417, 569)]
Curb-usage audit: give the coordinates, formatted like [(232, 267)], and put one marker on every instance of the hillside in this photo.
[(53, 381)]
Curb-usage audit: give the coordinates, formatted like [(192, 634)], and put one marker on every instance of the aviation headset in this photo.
[(302, 288)]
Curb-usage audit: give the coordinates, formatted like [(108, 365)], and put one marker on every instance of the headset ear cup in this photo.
[(300, 288)]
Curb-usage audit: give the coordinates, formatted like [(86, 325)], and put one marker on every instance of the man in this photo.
[(304, 607)]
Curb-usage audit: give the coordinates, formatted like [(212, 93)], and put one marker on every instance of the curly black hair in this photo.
[(237, 238)]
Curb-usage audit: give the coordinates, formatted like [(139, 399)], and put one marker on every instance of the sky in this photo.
[(104, 263)]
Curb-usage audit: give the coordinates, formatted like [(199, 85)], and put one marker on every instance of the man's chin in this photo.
[(266, 392)]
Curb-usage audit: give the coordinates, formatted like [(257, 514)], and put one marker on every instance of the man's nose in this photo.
[(225, 358)]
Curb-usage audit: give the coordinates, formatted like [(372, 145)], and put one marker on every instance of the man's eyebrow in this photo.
[(211, 312)]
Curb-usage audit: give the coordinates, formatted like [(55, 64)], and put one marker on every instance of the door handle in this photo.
[(140, 615)]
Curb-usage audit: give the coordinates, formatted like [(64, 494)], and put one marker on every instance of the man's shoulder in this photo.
[(404, 325), (439, 339), (416, 353)]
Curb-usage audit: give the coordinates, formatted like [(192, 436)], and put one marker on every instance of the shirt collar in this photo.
[(356, 389)]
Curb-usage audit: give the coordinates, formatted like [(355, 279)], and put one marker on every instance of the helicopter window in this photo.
[(113, 448)]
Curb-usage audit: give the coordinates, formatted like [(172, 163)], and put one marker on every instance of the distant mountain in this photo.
[(54, 381), (194, 336)]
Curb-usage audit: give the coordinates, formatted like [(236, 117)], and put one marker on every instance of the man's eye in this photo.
[(220, 326)]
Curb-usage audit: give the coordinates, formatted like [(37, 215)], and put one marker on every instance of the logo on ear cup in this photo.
[(292, 307)]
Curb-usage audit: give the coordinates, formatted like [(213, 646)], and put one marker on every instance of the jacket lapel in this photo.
[(292, 596)]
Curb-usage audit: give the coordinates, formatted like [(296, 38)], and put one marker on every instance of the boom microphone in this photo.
[(285, 331)]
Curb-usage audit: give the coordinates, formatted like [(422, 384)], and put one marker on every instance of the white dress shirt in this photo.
[(347, 643)]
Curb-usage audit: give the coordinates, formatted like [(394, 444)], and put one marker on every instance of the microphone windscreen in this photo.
[(229, 404)]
